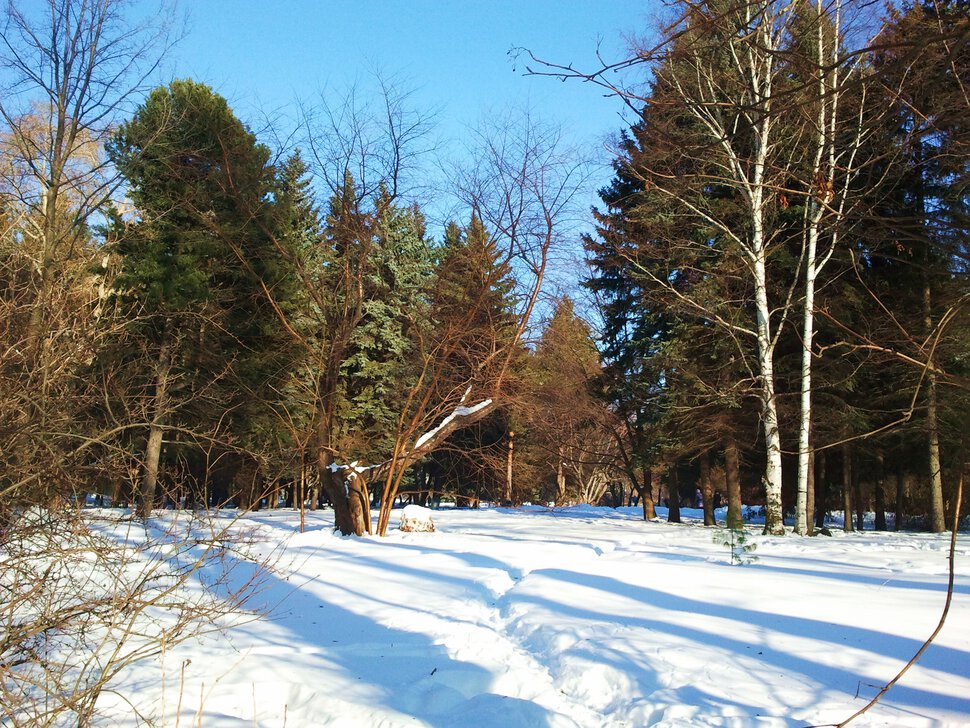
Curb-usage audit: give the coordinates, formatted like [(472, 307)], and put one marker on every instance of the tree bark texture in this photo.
[(646, 495), (847, 487), (156, 431), (732, 474)]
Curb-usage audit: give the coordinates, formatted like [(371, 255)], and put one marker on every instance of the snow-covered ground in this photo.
[(573, 617)]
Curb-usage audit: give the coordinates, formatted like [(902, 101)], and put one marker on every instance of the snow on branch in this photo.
[(354, 468), (459, 411), (460, 416)]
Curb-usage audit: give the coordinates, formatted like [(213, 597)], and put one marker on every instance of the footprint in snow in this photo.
[(607, 547)]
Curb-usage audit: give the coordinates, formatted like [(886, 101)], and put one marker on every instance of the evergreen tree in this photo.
[(568, 425), (194, 262), (918, 223), (379, 367), (472, 302), (669, 292), (473, 324)]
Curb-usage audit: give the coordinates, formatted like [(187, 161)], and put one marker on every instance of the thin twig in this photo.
[(939, 626)]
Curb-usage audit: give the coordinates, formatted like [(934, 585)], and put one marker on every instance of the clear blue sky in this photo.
[(266, 53)]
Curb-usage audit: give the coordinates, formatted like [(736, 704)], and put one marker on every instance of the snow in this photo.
[(355, 468), (416, 513), (459, 411), (416, 518), (570, 617)]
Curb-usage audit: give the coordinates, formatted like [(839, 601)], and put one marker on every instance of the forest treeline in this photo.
[(781, 258), (192, 317)]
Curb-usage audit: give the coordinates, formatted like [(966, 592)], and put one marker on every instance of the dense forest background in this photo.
[(190, 317)]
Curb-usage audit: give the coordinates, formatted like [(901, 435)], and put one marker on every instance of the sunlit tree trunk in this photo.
[(646, 495), (508, 469), (774, 518), (156, 431)]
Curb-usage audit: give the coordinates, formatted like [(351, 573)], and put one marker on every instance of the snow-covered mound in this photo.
[(573, 617), (416, 518)]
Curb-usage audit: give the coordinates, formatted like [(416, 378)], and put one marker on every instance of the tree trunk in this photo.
[(774, 517), (646, 495), (707, 490), (810, 502), (860, 505), (347, 511), (560, 479), (822, 194), (156, 431), (673, 495), (900, 498), (847, 487), (732, 474), (348, 494), (508, 469), (880, 492), (937, 517), (802, 514), (422, 478), (299, 495), (821, 489)]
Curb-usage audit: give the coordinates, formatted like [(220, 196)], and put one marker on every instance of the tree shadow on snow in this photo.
[(400, 670), (941, 658)]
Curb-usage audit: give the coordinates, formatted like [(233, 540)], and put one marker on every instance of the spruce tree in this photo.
[(473, 324), (194, 262), (379, 366)]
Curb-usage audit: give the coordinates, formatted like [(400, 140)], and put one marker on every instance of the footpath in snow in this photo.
[(573, 617)]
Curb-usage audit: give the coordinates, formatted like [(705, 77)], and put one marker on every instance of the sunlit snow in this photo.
[(571, 617)]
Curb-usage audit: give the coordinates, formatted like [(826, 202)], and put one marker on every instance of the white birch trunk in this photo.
[(774, 518), (805, 417)]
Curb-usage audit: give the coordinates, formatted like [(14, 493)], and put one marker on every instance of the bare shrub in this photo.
[(85, 596)]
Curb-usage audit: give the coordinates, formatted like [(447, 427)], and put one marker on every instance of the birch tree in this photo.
[(836, 133), (718, 73), (70, 68)]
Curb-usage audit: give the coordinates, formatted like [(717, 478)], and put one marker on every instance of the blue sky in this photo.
[(265, 54)]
